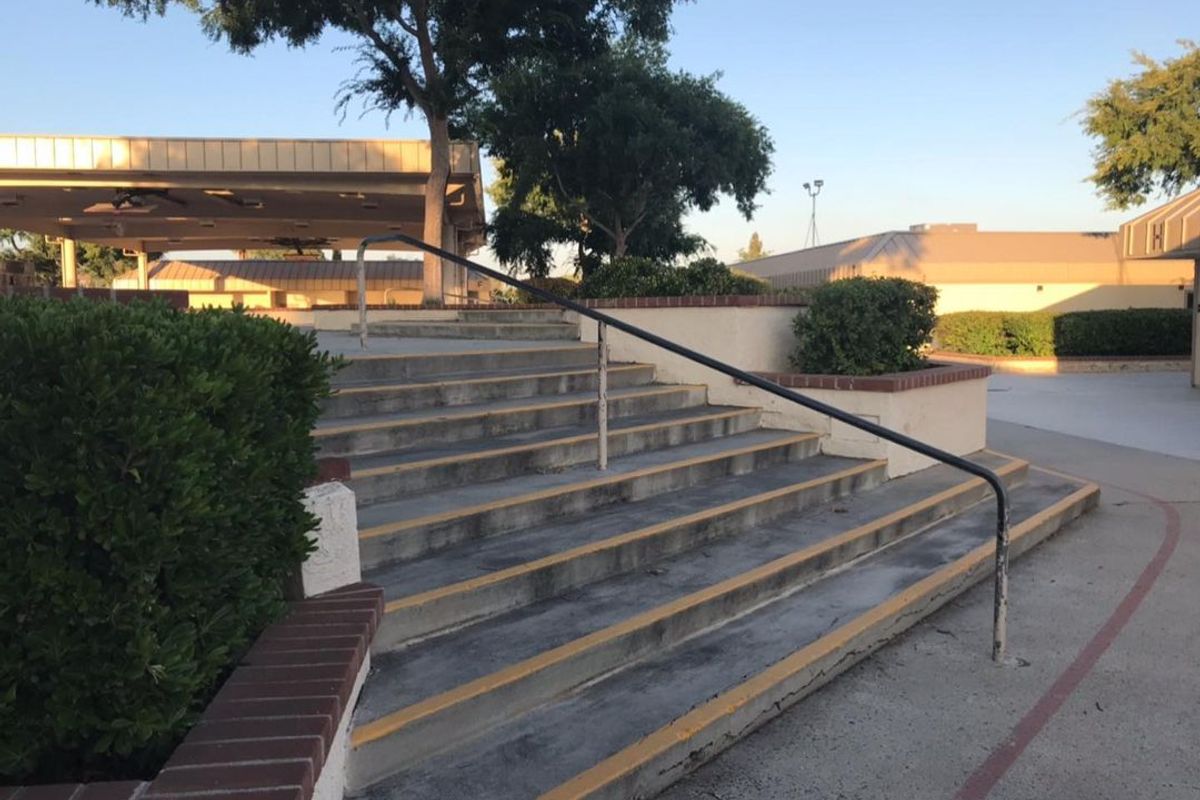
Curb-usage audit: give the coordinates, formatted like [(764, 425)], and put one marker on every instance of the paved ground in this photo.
[(1105, 623), (1156, 411)]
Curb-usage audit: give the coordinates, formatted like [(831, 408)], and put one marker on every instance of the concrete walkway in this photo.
[(1106, 628), (1157, 411)]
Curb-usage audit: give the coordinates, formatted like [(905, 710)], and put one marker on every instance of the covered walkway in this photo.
[(153, 195)]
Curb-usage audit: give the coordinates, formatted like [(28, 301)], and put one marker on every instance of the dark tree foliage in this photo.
[(99, 261), (1148, 127), (610, 153), (429, 56)]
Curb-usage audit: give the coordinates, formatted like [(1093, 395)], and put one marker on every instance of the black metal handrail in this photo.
[(1000, 609)]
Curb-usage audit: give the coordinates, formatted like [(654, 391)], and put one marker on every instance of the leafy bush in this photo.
[(563, 287), (152, 466), (865, 326), (1127, 332), (642, 277), (1117, 332)]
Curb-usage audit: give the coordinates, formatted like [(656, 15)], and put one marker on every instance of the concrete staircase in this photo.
[(522, 325), (556, 631)]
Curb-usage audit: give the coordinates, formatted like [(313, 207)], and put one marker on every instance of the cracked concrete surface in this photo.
[(915, 719)]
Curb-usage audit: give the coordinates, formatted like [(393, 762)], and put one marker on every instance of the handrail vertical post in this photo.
[(1000, 610), (602, 395), (362, 295)]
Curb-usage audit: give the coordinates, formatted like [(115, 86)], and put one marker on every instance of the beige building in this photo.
[(155, 195), (290, 284), (977, 270)]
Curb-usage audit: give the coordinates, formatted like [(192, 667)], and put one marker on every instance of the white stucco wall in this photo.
[(951, 416), (1057, 297), (335, 561)]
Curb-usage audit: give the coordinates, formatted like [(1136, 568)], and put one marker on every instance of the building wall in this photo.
[(1058, 297), (299, 300)]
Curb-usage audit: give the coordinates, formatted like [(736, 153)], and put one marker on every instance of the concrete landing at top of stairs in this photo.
[(347, 344)]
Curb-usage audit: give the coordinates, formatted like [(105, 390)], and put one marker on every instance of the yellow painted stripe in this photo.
[(500, 576), (389, 724), (731, 701), (405, 356), (467, 412), (532, 497), (522, 448), (415, 387)]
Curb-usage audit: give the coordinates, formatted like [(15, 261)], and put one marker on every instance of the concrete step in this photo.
[(378, 369), (673, 685), (517, 331), (387, 432), (357, 401), (385, 476), (542, 315), (412, 527), (483, 579)]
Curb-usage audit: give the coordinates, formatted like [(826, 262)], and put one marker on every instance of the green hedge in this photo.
[(642, 277), (1119, 332), (152, 467), (865, 326)]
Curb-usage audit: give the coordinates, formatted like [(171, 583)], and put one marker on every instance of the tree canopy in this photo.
[(99, 261), (609, 153), (1148, 127), (754, 250), (432, 56)]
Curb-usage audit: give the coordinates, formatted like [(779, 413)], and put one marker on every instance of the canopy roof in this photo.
[(154, 195), (1170, 231)]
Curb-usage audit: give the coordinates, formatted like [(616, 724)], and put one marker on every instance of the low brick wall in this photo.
[(935, 375), (270, 730), (691, 301)]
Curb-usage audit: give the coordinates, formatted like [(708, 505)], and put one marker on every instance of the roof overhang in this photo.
[(155, 195), (1170, 231)]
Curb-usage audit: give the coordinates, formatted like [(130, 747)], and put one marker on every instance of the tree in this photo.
[(619, 147), (431, 56), (1148, 128), (754, 250), (523, 236), (101, 262), (302, 253)]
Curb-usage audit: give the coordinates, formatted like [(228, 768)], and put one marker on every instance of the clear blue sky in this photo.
[(911, 112)]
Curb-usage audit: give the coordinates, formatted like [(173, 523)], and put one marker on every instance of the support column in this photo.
[(143, 267), (453, 276), (1196, 326), (70, 264)]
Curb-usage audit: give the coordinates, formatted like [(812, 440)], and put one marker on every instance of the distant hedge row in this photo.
[(152, 467), (1119, 332)]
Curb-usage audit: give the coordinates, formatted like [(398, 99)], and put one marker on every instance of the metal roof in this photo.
[(262, 275), (961, 254), (160, 194)]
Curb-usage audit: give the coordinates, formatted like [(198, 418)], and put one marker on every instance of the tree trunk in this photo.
[(435, 204), (619, 240)]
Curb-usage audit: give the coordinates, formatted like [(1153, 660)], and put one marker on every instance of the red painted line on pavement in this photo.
[(981, 782)]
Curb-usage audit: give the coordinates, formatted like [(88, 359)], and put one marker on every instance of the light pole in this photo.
[(813, 190)]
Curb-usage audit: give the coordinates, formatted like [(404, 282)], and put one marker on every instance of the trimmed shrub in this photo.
[(642, 277), (152, 467), (1127, 332), (563, 287), (1117, 332), (865, 326)]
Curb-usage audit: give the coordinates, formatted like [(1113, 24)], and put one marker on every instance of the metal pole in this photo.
[(602, 395), (1000, 611), (362, 295)]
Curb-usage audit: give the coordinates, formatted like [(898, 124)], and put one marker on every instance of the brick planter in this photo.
[(272, 727)]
